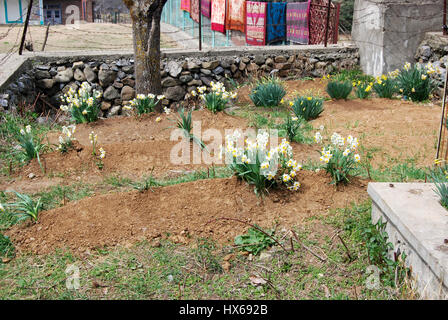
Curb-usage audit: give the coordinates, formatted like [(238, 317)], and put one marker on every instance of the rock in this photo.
[(206, 72), (174, 69), (195, 83), (264, 256), (210, 65), (71, 85), (89, 74), (269, 62), (192, 66), (31, 176), (64, 76), (245, 60), (206, 81), (169, 82), (127, 93), (259, 59), (128, 69), (176, 93), (104, 66), (242, 66), (280, 59), (128, 82), (79, 75), (186, 78), (233, 68), (43, 67), (105, 105), (43, 120), (226, 63), (252, 67), (115, 110), (78, 65), (106, 77), (117, 84), (425, 51), (41, 74), (45, 83), (218, 70), (111, 93)]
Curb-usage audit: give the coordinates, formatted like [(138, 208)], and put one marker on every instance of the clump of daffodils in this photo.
[(144, 103), (66, 139), (93, 137), (31, 145), (217, 98), (386, 86), (261, 166), (83, 104), (363, 89), (339, 156), (415, 81)]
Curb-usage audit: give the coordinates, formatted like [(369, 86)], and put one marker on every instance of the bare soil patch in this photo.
[(180, 213)]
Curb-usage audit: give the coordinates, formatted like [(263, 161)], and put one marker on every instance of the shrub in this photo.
[(66, 139), (218, 97), (260, 166), (144, 103), (363, 89), (268, 92), (415, 82), (339, 157), (82, 105), (339, 89), (385, 87), (308, 108)]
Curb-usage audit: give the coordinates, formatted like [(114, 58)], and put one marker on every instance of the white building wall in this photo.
[(2, 13)]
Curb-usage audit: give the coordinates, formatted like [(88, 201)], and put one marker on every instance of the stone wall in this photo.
[(182, 72)]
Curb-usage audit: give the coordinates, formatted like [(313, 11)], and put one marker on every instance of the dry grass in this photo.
[(87, 36)]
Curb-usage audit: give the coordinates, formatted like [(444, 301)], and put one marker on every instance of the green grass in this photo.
[(170, 271)]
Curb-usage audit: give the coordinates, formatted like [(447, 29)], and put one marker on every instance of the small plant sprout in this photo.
[(102, 153), (25, 207), (185, 123), (83, 105), (144, 103), (66, 139), (218, 97), (264, 168), (339, 157)]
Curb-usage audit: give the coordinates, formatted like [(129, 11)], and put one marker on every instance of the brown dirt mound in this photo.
[(181, 211)]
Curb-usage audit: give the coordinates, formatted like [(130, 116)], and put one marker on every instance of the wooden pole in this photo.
[(46, 36), (200, 25), (25, 28), (327, 24), (442, 120)]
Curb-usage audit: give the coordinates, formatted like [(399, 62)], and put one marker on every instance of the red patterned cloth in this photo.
[(218, 18), (206, 8), (236, 13), (256, 23), (185, 5), (194, 10)]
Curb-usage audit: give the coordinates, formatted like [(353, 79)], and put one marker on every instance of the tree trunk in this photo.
[(146, 15)]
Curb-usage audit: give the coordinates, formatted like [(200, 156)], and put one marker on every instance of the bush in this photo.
[(82, 105), (262, 167), (415, 82), (308, 108), (218, 97), (385, 87), (339, 89), (144, 103), (339, 157), (268, 92), (363, 90)]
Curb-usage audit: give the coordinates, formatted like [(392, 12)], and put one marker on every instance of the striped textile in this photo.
[(297, 22)]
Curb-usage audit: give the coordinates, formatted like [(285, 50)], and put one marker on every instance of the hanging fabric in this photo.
[(256, 23), (194, 10), (276, 22), (206, 8), (185, 5), (236, 13), (218, 16), (297, 22)]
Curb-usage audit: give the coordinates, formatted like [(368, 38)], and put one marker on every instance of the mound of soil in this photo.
[(181, 212)]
